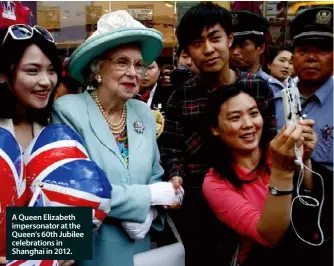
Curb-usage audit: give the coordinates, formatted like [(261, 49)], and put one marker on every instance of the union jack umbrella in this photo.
[(55, 145), (60, 173), (13, 183), (32, 263)]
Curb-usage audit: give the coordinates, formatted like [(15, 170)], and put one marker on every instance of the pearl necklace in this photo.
[(116, 128)]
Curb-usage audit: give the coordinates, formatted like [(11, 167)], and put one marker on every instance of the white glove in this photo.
[(162, 193), (139, 230)]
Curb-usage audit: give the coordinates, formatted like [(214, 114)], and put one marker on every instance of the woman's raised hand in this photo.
[(282, 147)]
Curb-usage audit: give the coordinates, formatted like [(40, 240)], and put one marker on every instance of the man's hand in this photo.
[(165, 78), (310, 138), (177, 182)]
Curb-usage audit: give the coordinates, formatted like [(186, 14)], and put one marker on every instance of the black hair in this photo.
[(159, 62), (258, 40), (70, 83), (11, 53), (219, 154), (199, 17), (273, 52), (178, 52)]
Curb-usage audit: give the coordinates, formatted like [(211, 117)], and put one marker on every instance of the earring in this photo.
[(215, 132), (98, 78), (2, 81)]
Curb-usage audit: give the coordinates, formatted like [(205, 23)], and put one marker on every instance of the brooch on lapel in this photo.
[(138, 127)]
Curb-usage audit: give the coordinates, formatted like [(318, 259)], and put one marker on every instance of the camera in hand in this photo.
[(291, 104), (180, 75)]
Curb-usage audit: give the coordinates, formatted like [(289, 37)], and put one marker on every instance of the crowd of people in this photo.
[(206, 142)]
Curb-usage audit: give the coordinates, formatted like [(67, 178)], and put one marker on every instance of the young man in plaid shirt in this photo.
[(205, 34)]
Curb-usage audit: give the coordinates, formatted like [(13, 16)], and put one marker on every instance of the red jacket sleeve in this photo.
[(231, 208)]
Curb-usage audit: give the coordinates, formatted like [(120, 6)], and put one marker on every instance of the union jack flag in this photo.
[(57, 163), (55, 145), (32, 263), (13, 183)]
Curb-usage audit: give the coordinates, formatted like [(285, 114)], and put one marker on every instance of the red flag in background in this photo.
[(252, 6)]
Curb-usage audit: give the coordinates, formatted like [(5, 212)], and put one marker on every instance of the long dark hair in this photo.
[(11, 53), (220, 155)]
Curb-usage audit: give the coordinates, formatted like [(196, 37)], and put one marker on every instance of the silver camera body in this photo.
[(292, 106)]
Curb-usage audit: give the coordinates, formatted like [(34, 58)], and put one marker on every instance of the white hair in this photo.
[(94, 68)]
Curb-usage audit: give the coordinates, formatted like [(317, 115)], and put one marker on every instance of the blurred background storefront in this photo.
[(72, 22)]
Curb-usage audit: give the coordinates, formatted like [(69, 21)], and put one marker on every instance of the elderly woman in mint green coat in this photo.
[(119, 133)]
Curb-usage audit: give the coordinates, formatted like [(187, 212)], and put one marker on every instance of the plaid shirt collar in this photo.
[(206, 82)]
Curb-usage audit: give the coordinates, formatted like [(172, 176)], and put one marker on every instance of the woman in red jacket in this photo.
[(245, 167)]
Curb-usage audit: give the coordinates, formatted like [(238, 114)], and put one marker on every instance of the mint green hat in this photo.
[(113, 29)]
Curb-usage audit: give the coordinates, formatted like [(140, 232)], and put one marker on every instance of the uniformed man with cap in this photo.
[(249, 30), (312, 35)]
